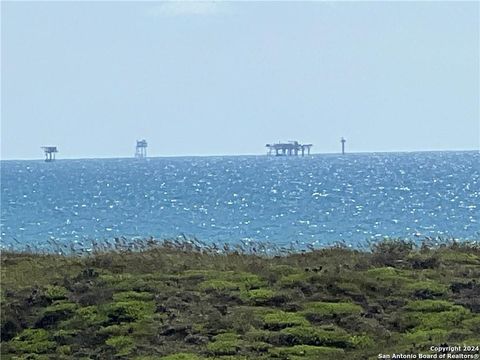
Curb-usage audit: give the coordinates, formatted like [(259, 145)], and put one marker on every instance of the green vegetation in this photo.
[(174, 301)]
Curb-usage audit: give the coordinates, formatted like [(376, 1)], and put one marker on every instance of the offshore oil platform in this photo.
[(141, 149), (50, 152), (291, 148)]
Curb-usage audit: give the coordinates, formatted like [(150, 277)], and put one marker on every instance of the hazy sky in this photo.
[(227, 78)]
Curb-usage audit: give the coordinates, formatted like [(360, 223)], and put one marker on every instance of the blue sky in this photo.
[(228, 77)]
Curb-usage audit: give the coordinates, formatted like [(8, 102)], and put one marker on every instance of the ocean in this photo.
[(316, 200)]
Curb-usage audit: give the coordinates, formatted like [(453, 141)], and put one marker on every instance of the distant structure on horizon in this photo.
[(141, 149), (291, 148), (50, 153), (343, 141)]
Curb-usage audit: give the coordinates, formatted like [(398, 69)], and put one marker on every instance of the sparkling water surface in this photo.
[(316, 200)]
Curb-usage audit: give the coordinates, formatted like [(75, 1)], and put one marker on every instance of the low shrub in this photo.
[(307, 352), (319, 311), (277, 320), (34, 341), (123, 345), (225, 344)]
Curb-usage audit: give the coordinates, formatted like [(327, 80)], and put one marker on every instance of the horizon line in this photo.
[(239, 155)]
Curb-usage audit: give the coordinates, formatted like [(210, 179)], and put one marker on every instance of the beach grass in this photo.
[(176, 300)]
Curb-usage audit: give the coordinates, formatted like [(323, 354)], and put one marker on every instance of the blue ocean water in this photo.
[(315, 200)]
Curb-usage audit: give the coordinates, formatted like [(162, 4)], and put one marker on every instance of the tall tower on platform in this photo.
[(141, 149), (50, 153), (343, 141)]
